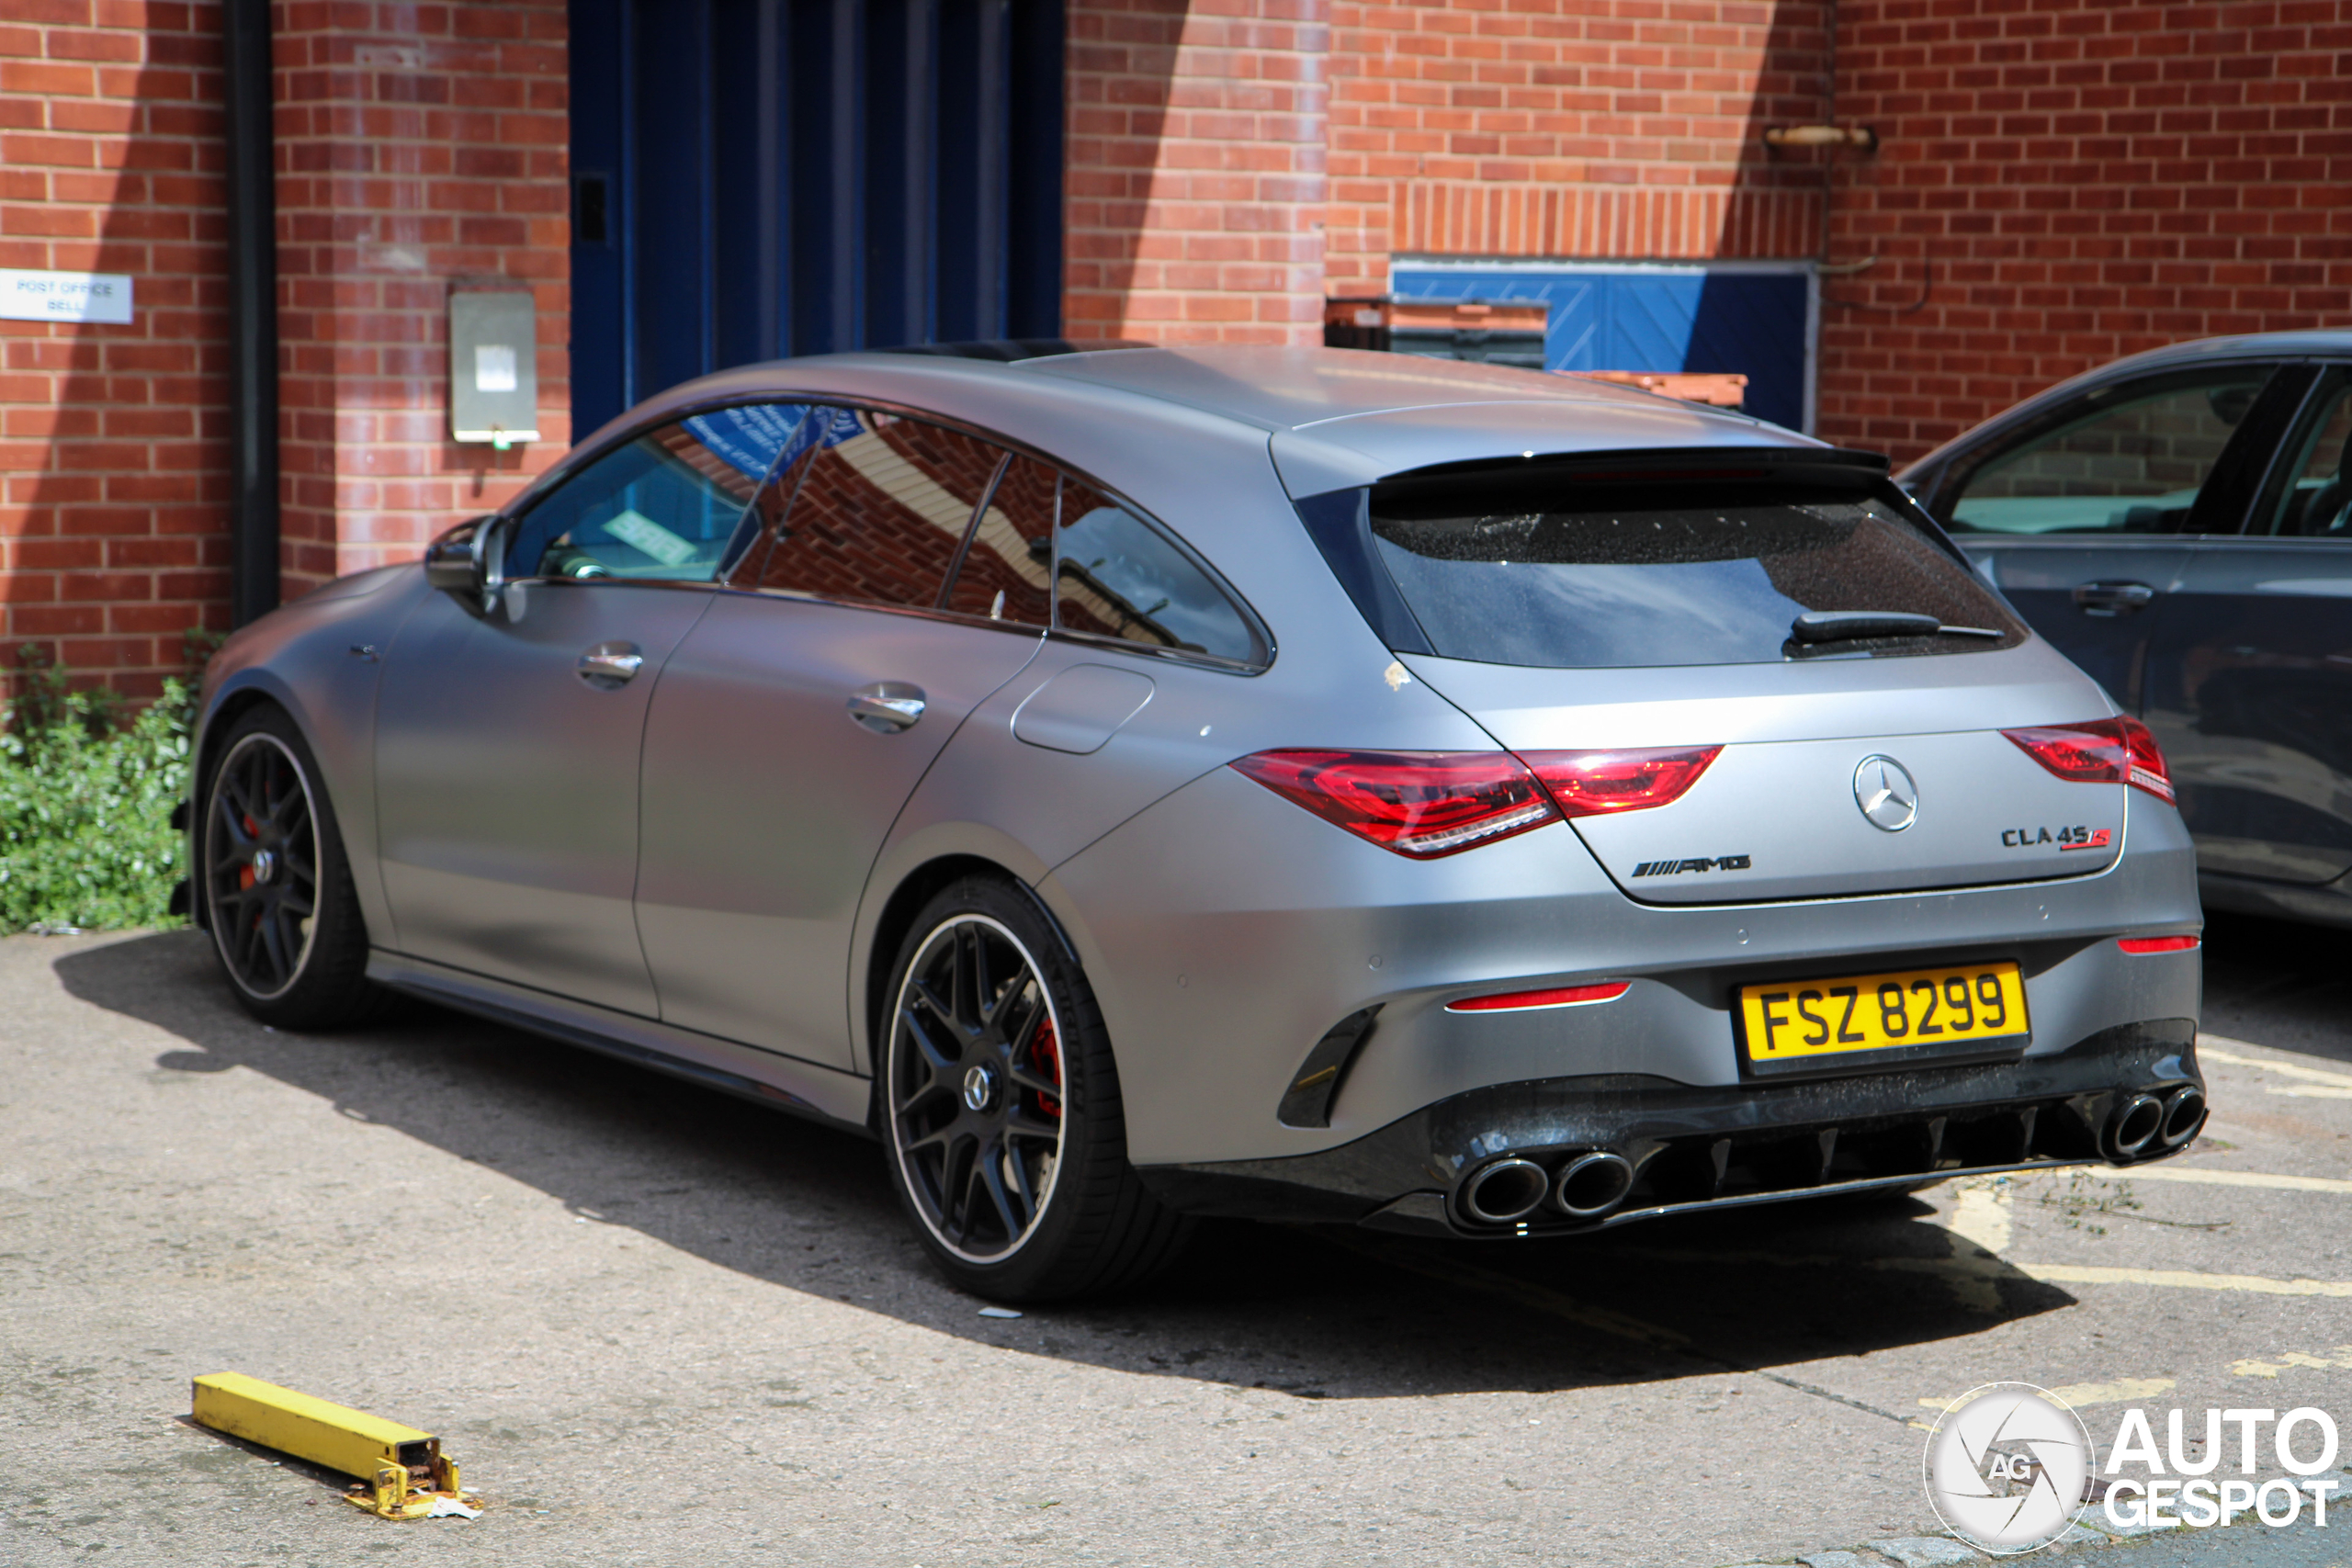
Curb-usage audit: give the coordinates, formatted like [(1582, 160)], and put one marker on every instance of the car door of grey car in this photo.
[(2250, 687), (507, 738), (795, 720)]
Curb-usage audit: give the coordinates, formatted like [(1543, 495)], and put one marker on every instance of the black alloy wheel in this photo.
[(999, 1099), (261, 870), (277, 890), (976, 1089)]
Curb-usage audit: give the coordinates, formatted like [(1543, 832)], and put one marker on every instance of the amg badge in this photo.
[(1676, 867)]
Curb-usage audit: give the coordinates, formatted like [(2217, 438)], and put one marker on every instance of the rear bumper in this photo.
[(1702, 1146)]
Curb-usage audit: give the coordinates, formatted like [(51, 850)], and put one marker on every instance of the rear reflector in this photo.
[(2156, 943), (2110, 751), (1561, 996), (1587, 784), (1422, 803)]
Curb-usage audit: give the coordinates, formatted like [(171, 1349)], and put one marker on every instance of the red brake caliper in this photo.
[(1045, 1051)]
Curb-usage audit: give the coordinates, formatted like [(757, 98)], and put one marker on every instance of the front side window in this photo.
[(661, 506), (2317, 500), (870, 508), (1589, 576), (2134, 458)]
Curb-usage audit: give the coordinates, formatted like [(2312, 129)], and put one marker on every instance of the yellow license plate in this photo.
[(1795, 1020)]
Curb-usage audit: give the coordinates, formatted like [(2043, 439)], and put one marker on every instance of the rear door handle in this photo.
[(2113, 598), (610, 665), (887, 707)]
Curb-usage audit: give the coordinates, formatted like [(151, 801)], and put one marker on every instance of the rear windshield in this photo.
[(1653, 575)]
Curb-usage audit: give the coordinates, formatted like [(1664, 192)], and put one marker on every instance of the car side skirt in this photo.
[(784, 1083)]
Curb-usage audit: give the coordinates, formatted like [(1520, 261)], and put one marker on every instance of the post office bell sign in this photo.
[(493, 366)]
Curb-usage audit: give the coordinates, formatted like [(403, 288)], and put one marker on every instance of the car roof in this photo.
[(1336, 417)]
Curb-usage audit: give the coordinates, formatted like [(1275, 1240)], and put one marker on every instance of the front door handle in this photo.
[(609, 666), (887, 706), (2113, 598)]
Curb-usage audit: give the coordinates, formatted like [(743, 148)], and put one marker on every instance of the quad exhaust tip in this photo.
[(2184, 1116), (1505, 1191), (2137, 1124), (1593, 1185)]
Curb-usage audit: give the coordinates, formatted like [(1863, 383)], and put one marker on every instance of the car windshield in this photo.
[(1591, 578)]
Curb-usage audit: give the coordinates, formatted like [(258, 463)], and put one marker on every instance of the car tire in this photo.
[(1000, 1109), (278, 892)]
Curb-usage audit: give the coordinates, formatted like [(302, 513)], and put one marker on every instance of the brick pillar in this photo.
[(113, 438), (419, 147), (1194, 184)]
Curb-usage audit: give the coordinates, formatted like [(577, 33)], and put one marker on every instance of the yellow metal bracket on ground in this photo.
[(402, 1472)]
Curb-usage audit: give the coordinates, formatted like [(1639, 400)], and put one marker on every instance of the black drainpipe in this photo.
[(253, 313)]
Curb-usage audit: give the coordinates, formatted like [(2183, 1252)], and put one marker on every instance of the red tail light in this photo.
[(1560, 997), (2156, 943), (1587, 783), (1423, 803), (2110, 750)]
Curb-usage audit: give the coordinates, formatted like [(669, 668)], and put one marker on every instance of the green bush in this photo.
[(85, 805)]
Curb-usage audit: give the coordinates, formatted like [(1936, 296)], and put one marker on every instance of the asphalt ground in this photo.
[(659, 1326)]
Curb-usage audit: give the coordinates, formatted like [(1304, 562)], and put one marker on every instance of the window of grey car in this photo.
[(1007, 570), (1590, 576), (1050, 549), (871, 508), (664, 505), (2134, 458), (1116, 576)]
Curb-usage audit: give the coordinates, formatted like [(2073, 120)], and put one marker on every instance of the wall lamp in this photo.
[(1862, 138)]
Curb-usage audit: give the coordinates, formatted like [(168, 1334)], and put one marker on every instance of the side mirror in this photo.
[(459, 560)]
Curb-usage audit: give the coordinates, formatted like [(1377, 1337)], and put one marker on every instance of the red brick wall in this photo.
[(418, 146), (1620, 129), (113, 455), (2075, 182), (1195, 177)]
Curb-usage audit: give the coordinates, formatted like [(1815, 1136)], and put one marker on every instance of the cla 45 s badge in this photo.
[(2074, 838)]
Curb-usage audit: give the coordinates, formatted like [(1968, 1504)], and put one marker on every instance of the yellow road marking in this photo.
[(2118, 1392), (2180, 1278), (2311, 1075), (1983, 1217), (2313, 1091), (2222, 1178), (2255, 1367)]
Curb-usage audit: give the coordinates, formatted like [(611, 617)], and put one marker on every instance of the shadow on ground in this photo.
[(1340, 1314), (2296, 973)]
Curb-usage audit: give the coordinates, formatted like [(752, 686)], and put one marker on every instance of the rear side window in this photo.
[(1588, 577), (1116, 576), (874, 508), (1051, 551)]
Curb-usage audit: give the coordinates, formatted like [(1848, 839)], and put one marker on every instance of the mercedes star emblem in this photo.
[(1886, 795)]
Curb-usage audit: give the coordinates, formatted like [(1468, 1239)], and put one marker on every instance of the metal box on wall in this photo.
[(493, 366)]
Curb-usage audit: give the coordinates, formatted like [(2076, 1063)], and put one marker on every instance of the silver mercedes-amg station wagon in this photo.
[(1139, 783)]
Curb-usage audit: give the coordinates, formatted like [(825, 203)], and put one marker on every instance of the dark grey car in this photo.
[(2180, 523)]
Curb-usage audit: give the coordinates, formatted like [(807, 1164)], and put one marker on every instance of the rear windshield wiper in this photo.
[(1844, 626)]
